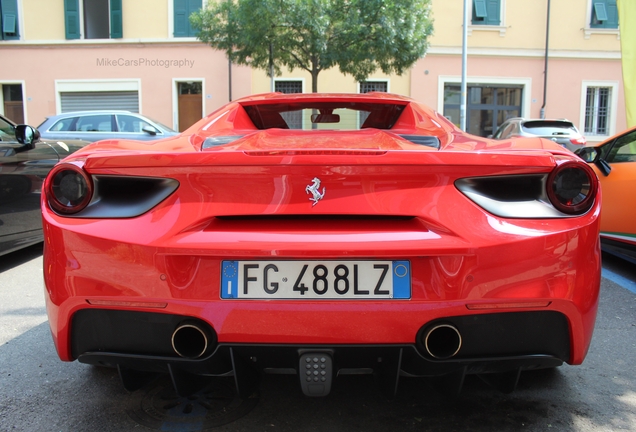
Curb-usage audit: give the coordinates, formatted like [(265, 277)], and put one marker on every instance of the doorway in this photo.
[(12, 102), (190, 103)]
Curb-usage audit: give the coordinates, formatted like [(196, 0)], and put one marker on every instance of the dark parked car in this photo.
[(561, 131), (98, 125), (25, 160)]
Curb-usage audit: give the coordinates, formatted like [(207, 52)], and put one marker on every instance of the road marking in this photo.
[(620, 280)]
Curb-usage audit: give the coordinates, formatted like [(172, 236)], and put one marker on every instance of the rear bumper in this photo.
[(489, 343), (504, 344)]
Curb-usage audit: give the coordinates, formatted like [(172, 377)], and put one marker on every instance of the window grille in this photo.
[(288, 86), (374, 86), (597, 110), (294, 119)]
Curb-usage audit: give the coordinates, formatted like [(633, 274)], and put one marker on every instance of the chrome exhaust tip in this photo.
[(442, 341), (190, 341)]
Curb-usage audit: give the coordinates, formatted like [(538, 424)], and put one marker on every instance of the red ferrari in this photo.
[(321, 235)]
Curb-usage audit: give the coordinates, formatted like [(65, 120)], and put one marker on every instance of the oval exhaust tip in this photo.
[(443, 341)]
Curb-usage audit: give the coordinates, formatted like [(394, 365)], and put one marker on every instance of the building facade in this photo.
[(141, 55), (138, 55), (506, 64)]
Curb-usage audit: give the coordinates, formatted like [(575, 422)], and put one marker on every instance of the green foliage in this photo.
[(357, 36)]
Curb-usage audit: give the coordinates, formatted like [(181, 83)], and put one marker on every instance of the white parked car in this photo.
[(98, 125)]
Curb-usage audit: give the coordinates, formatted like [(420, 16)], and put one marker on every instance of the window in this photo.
[(371, 86), (9, 20), (102, 19), (182, 11), (374, 86), (597, 110), (128, 123), (486, 12), (294, 119), (64, 125), (288, 86), (604, 14), (488, 106), (95, 123), (623, 150)]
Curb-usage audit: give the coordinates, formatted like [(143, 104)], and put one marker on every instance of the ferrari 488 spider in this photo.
[(322, 235)]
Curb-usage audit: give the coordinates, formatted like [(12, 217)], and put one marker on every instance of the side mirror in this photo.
[(593, 155), (151, 130), (588, 154), (26, 135)]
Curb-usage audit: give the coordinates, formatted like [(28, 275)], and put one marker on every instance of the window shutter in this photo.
[(116, 26), (181, 23), (9, 19), (601, 13), (604, 14), (182, 11), (480, 8), (493, 10), (193, 6), (71, 19)]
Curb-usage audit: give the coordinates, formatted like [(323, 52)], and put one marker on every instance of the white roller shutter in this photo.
[(90, 101)]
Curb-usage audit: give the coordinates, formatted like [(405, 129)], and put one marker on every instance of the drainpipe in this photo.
[(463, 94), (229, 79), (545, 72)]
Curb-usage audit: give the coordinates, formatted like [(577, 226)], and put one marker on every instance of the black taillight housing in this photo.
[(572, 187), (69, 189)]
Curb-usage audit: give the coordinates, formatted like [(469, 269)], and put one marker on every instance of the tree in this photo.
[(357, 36)]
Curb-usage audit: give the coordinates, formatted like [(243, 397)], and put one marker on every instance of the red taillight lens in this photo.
[(578, 141), (572, 187), (69, 189)]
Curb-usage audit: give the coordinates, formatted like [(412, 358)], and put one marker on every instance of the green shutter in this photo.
[(182, 11), (601, 13), (604, 14), (181, 23), (494, 8), (10, 30), (480, 9), (116, 26), (71, 19), (486, 12), (193, 6)]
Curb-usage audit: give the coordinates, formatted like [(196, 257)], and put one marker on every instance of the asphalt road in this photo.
[(40, 393)]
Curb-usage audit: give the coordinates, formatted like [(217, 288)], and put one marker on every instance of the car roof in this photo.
[(91, 112)]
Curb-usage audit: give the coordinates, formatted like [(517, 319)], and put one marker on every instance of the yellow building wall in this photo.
[(523, 27), (145, 19), (331, 81), (43, 20), (142, 19)]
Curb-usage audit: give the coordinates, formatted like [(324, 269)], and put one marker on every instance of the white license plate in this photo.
[(359, 280)]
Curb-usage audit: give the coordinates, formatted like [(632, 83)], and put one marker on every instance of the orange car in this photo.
[(614, 161)]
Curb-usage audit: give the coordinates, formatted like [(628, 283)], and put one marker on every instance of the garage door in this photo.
[(89, 101)]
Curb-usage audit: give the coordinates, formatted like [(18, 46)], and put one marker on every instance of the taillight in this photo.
[(572, 188), (578, 141), (69, 189)]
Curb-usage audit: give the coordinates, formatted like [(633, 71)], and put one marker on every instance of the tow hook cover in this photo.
[(316, 373)]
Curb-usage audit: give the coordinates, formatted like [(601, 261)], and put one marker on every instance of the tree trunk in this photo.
[(314, 75)]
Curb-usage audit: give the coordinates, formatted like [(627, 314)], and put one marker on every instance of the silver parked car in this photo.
[(98, 125), (561, 131)]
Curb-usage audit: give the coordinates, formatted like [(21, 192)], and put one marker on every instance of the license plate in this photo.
[(359, 280)]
